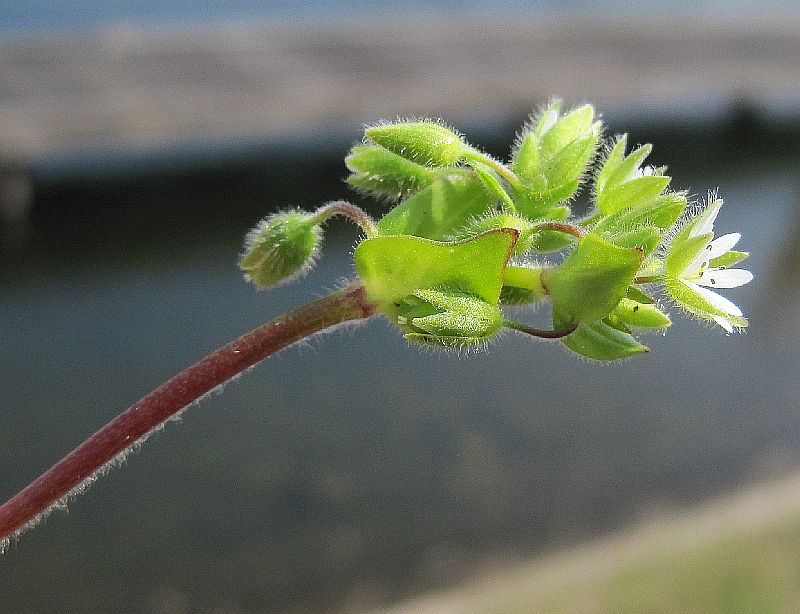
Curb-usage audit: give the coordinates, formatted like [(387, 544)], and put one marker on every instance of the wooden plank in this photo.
[(139, 89)]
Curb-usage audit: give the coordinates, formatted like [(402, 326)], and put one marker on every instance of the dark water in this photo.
[(354, 470)]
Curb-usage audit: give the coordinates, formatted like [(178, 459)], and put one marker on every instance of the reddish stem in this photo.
[(80, 465)]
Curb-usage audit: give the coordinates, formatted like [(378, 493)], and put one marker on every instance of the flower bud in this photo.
[(281, 247), (380, 172), (423, 142), (447, 318)]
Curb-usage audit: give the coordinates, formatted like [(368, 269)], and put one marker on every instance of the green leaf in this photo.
[(440, 209), (547, 119), (599, 340), (592, 280), (381, 172), (393, 267), (494, 221), (423, 142), (635, 314)]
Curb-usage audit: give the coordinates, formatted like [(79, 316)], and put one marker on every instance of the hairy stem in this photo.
[(355, 214), (542, 333), (79, 466)]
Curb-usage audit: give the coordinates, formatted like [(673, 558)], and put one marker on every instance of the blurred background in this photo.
[(140, 140)]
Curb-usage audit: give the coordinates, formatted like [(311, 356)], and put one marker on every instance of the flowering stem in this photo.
[(351, 212), (77, 469)]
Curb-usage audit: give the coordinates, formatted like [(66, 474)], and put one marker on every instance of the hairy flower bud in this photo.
[(423, 142), (280, 248)]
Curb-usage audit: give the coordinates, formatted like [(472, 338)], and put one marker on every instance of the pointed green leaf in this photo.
[(592, 280), (661, 212), (611, 163), (645, 237), (570, 163)]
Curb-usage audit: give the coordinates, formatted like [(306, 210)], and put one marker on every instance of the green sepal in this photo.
[(423, 142), (637, 315), (537, 204), (592, 279), (491, 183), (280, 248), (611, 164), (599, 340), (640, 190), (568, 164), (623, 168), (682, 251), (633, 293), (728, 259), (440, 209), (379, 171), (662, 212), (694, 303), (647, 238), (525, 160), (394, 267), (570, 127)]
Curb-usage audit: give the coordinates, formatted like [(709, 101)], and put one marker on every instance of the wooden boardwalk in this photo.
[(138, 89)]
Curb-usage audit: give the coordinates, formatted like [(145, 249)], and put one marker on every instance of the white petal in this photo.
[(722, 245), (725, 278), (704, 222), (724, 323), (716, 300)]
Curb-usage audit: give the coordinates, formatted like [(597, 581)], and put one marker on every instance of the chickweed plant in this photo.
[(467, 238)]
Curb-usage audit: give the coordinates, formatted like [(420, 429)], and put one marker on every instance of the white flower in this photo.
[(696, 262)]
